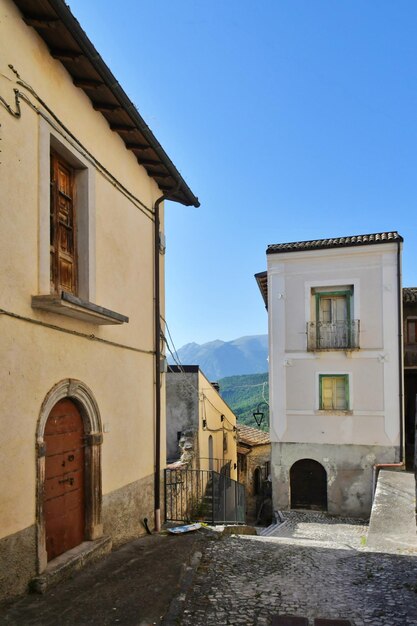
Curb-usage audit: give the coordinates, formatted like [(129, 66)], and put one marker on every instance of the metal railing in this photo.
[(342, 335), (222, 466), (203, 496)]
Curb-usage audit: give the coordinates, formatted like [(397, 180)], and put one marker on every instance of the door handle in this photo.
[(67, 480)]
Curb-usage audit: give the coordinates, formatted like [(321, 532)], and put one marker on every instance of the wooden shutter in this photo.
[(327, 393), (334, 393), (340, 393), (411, 331), (62, 227)]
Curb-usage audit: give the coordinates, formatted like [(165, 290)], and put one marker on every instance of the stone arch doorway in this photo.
[(308, 485), (68, 411)]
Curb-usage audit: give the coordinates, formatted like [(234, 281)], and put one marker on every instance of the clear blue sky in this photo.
[(290, 119)]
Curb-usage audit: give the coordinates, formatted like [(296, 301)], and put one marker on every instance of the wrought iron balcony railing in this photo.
[(342, 335)]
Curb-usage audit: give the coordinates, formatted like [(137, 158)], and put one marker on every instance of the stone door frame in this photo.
[(82, 396)]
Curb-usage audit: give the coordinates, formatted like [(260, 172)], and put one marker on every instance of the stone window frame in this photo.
[(77, 391), (84, 204)]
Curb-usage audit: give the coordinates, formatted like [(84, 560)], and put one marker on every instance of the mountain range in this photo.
[(218, 359)]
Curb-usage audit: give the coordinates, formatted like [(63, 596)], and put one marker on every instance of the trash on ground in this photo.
[(178, 530)]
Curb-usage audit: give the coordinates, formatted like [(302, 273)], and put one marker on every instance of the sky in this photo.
[(289, 119)]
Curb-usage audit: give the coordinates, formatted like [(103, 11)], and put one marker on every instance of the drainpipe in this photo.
[(157, 339), (401, 464)]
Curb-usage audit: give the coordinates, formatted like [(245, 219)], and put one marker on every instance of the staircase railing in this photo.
[(203, 496)]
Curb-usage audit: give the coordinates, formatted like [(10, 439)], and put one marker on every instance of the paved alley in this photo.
[(315, 566)]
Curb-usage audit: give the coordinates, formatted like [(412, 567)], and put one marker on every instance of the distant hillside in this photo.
[(243, 394), (217, 359)]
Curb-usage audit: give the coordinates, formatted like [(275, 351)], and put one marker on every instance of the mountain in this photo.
[(217, 359), (244, 394)]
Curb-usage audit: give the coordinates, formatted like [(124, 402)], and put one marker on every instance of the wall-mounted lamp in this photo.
[(258, 414)]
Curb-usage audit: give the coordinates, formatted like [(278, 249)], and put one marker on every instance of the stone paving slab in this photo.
[(248, 580), (392, 526)]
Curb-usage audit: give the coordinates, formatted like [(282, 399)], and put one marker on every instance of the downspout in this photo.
[(401, 464), (157, 340)]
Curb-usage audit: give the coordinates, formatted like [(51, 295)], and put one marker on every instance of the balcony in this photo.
[(341, 335)]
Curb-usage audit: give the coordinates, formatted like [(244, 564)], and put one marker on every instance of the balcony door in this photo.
[(333, 319)]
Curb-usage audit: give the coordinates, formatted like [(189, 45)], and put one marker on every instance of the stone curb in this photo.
[(176, 607)]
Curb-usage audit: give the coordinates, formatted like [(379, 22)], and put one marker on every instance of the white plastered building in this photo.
[(334, 310)]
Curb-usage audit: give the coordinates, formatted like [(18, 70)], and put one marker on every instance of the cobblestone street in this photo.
[(315, 566)]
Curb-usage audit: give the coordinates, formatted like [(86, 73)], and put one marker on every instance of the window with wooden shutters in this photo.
[(63, 244), (332, 326), (67, 240), (412, 330), (334, 392)]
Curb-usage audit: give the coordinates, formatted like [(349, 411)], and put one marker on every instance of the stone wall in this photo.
[(17, 562), (349, 474), (258, 457)]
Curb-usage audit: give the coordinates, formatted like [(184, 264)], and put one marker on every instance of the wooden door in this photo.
[(308, 480), (64, 479)]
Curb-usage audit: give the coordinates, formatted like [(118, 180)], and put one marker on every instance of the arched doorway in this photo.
[(69, 415), (64, 494), (257, 481), (308, 484), (210, 453)]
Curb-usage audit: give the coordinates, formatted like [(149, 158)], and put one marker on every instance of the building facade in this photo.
[(254, 471), (410, 373), (201, 427), (336, 411), (83, 181)]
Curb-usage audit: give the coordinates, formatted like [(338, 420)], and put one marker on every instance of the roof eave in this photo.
[(180, 191)]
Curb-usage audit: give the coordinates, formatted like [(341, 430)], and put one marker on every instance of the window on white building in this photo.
[(332, 326), (334, 392)]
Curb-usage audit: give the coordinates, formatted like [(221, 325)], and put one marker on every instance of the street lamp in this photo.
[(258, 414)]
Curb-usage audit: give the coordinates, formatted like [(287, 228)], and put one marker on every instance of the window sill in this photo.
[(67, 304), (332, 412)]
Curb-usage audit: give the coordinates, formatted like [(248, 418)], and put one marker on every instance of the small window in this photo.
[(334, 392), (224, 442), (411, 330)]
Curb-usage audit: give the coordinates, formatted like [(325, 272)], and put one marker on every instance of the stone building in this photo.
[(254, 470), (83, 181), (201, 427), (335, 368)]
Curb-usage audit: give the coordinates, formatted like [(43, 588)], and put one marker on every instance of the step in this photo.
[(66, 564)]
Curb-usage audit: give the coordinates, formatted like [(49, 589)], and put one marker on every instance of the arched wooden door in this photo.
[(308, 483), (64, 479)]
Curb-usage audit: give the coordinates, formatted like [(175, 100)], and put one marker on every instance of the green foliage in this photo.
[(243, 394)]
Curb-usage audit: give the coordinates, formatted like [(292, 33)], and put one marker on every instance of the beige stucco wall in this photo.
[(34, 357), (212, 407)]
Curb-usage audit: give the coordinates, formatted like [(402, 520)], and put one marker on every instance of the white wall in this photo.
[(373, 418)]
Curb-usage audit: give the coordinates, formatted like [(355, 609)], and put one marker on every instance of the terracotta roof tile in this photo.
[(409, 294), (342, 242), (252, 436)]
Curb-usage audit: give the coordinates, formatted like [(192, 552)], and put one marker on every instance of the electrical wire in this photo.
[(68, 136)]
